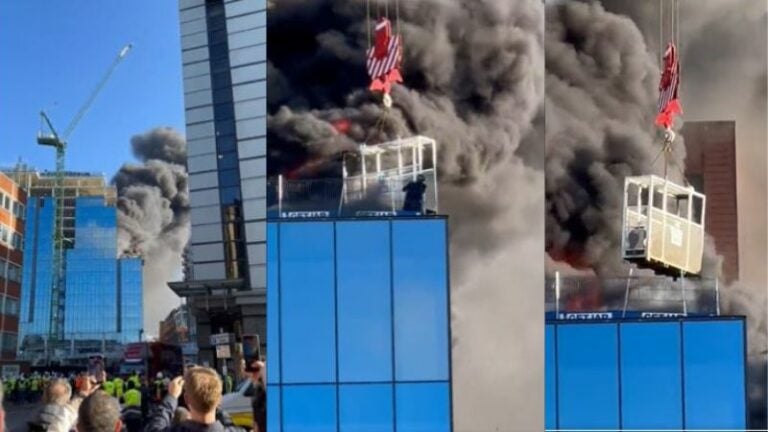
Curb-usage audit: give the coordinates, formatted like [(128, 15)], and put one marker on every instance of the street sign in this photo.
[(220, 339), (223, 352)]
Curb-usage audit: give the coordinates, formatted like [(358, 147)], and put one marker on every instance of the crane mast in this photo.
[(59, 142)]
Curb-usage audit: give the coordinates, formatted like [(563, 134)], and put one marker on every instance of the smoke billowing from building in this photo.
[(153, 214), (474, 82), (602, 73)]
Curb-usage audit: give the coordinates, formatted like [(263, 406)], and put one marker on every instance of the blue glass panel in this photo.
[(423, 407), (588, 385), (364, 317), (307, 301), (273, 408), (714, 375), (365, 408), (420, 300), (651, 381), (550, 383), (273, 305), (309, 408)]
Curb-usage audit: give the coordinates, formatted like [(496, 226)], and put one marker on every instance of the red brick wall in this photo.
[(711, 154)]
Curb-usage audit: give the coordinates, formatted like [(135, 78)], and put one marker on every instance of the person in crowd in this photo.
[(258, 372), (59, 411), (133, 419), (180, 416), (119, 387), (202, 389), (99, 412)]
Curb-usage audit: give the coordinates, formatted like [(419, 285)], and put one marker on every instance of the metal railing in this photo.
[(354, 196), (630, 294)]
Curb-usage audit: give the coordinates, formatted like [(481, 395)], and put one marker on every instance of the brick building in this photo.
[(710, 166), (13, 202)]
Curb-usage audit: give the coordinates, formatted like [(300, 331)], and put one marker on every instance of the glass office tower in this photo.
[(358, 321), (224, 67), (103, 294)]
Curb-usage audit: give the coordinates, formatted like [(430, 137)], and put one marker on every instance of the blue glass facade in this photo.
[(358, 324), (646, 374), (103, 294)]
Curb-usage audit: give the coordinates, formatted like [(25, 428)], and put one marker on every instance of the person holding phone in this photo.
[(202, 390)]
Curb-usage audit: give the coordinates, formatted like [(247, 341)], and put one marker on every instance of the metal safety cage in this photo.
[(383, 170), (373, 184), (662, 225)]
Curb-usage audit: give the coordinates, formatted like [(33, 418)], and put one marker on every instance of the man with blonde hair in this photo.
[(202, 390)]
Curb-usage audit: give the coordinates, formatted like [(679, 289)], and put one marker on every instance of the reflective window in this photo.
[(365, 311), (650, 372), (550, 384), (335, 281), (226, 143), (423, 407), (714, 374), (307, 298), (420, 300), (230, 195), (228, 160), (588, 376), (366, 408), (221, 79), (309, 408), (273, 302), (273, 408), (229, 177), (224, 111)]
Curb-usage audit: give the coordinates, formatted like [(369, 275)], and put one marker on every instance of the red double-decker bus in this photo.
[(149, 358)]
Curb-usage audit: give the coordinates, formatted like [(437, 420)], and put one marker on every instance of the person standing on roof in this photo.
[(414, 195)]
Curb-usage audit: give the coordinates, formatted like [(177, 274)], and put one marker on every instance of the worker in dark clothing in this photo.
[(202, 391), (414, 195)]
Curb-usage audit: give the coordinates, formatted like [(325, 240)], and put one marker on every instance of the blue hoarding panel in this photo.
[(273, 409), (366, 408), (309, 408), (550, 384), (273, 304), (651, 378), (714, 375), (420, 300), (423, 407), (588, 376), (307, 316), (364, 301)]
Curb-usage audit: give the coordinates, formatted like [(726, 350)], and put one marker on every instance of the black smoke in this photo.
[(153, 214), (473, 72)]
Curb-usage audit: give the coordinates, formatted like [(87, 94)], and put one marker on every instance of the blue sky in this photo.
[(53, 53)]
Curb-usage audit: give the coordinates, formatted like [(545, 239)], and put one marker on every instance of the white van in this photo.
[(238, 404)]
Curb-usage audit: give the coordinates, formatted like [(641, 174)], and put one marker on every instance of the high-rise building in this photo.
[(13, 201), (710, 166), (224, 68), (102, 297)]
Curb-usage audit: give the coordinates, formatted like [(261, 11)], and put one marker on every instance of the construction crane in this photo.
[(59, 142)]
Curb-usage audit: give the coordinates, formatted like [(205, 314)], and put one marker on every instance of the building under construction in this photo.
[(98, 307)]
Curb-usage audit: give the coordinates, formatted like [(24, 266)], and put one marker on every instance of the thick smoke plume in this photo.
[(153, 215), (473, 81), (602, 72)]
